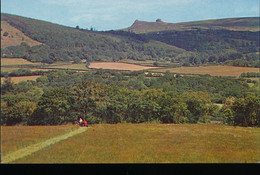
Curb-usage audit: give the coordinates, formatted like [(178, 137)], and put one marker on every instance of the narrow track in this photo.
[(38, 146)]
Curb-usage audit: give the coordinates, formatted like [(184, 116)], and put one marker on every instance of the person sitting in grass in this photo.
[(80, 121)]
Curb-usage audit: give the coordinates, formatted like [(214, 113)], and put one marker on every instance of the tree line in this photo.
[(22, 72), (239, 48), (109, 97)]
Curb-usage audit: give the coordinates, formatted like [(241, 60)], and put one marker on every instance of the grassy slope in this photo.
[(39, 146), (16, 137), (15, 37), (155, 143), (70, 39)]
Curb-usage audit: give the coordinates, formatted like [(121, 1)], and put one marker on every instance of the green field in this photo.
[(148, 143), (16, 137)]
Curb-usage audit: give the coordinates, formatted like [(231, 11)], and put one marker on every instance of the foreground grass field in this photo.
[(154, 143), (16, 137)]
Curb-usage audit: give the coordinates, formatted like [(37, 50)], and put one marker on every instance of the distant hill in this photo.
[(236, 24), (224, 41), (11, 36)]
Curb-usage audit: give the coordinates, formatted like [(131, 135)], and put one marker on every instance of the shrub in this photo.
[(5, 34)]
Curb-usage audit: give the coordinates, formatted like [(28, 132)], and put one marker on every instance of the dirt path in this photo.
[(38, 146)]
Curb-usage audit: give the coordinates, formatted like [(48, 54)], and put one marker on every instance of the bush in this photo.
[(5, 34)]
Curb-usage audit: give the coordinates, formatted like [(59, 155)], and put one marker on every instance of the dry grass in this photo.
[(136, 61), (15, 37), (117, 65), (15, 61), (22, 78), (154, 143), (71, 66), (16, 137), (10, 69), (212, 70)]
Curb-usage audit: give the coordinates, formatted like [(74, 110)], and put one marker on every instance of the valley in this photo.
[(154, 92)]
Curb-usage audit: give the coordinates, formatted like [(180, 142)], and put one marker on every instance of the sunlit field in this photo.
[(117, 65), (21, 78), (14, 37), (212, 70), (16, 137), (16, 61), (70, 66), (152, 143)]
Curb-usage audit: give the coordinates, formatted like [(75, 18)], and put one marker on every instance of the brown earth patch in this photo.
[(119, 66), (212, 70), (15, 37)]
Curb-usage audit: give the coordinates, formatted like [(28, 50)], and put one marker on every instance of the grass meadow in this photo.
[(118, 65), (16, 137), (70, 66), (16, 61), (15, 36), (21, 78), (211, 70), (148, 143)]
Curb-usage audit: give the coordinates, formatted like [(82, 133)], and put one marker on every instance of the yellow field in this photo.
[(16, 61), (16, 137), (136, 61), (22, 78), (10, 69), (212, 70), (150, 143), (15, 37), (71, 66), (118, 66)]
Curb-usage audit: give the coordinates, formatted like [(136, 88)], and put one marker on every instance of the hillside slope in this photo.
[(201, 42), (67, 43), (11, 36), (235, 24)]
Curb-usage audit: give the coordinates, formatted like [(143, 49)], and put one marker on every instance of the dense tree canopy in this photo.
[(113, 97)]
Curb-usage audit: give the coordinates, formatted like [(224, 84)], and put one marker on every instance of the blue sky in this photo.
[(118, 14)]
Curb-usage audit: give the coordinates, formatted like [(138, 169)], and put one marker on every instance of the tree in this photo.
[(7, 86), (87, 64), (5, 34), (228, 103), (156, 64), (246, 111), (228, 116), (198, 104), (85, 98), (16, 109), (52, 109)]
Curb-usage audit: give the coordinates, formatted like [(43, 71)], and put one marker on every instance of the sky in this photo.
[(119, 14)]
